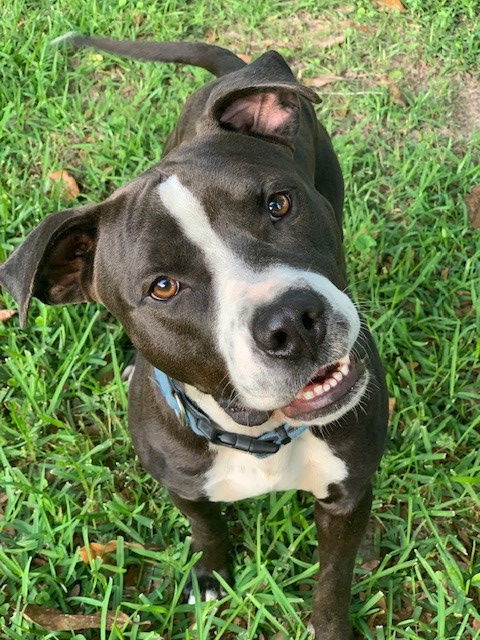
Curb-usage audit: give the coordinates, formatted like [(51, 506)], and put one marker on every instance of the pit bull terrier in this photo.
[(224, 263)]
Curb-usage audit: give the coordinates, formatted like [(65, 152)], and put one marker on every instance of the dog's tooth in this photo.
[(318, 389), (308, 395), (338, 375), (326, 387), (332, 382), (344, 360), (344, 369)]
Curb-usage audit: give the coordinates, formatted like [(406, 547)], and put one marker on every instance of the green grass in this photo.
[(67, 470)]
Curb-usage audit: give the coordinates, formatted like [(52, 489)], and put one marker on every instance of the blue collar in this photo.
[(192, 416)]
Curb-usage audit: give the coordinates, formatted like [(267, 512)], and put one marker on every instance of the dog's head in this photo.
[(223, 262)]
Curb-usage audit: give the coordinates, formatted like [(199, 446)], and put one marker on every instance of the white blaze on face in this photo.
[(239, 290)]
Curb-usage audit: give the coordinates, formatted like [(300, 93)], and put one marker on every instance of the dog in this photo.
[(224, 263)]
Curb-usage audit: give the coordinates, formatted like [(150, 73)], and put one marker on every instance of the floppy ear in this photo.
[(55, 262), (260, 99)]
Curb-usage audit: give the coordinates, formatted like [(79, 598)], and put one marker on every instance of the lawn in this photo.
[(404, 114)]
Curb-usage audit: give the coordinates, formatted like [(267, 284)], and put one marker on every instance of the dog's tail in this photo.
[(215, 59)]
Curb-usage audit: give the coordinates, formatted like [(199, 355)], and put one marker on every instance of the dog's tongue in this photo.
[(328, 386)]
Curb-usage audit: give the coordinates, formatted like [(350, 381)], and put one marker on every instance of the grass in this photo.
[(68, 474)]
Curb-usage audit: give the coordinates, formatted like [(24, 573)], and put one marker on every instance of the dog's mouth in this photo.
[(329, 387)]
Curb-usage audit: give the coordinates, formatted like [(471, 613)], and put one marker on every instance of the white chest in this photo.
[(306, 463)]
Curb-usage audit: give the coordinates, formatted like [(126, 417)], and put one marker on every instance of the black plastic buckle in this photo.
[(245, 443)]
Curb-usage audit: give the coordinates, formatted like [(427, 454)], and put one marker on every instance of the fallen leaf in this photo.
[(473, 205), (245, 57), (210, 36), (52, 619), (370, 565), (70, 187), (99, 550), (322, 81), (378, 618), (330, 42), (476, 624), (6, 314), (391, 408), (395, 96), (390, 4)]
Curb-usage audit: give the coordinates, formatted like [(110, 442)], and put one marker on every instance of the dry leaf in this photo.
[(370, 565), (395, 96), (473, 205), (391, 408), (70, 187), (378, 618), (210, 36), (245, 57), (390, 4), (6, 314), (98, 550), (476, 624), (330, 42), (52, 619), (322, 81)]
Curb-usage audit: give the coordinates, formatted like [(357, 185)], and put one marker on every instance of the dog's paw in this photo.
[(209, 587)]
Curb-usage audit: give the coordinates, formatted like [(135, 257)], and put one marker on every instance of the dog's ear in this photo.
[(261, 99), (55, 262)]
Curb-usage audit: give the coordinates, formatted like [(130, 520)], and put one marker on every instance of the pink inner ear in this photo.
[(261, 113)]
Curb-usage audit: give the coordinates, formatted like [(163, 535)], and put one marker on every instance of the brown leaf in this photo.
[(322, 81), (245, 57), (70, 187), (99, 550), (370, 565), (476, 624), (391, 408), (6, 314), (331, 41), (52, 619), (380, 617), (473, 205), (390, 4), (395, 96)]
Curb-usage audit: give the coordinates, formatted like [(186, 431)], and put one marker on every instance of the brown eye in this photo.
[(164, 288), (278, 205)]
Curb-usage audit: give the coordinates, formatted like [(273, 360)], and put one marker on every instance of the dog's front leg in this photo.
[(210, 536), (339, 537)]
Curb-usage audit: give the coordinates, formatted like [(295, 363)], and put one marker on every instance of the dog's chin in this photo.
[(246, 416)]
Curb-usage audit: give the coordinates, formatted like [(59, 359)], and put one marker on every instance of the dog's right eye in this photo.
[(164, 288)]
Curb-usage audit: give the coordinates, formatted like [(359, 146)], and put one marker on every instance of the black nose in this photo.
[(291, 327)]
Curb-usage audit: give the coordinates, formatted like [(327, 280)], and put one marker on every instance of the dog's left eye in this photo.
[(278, 205), (164, 288)]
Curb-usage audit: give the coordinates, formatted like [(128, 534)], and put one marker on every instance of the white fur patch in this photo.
[(306, 463), (239, 290)]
